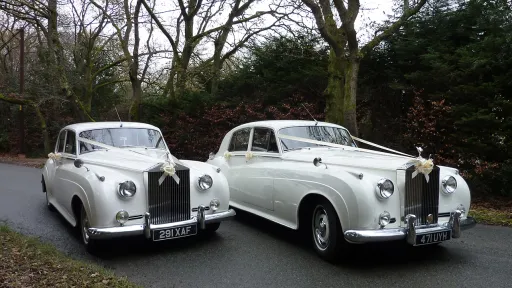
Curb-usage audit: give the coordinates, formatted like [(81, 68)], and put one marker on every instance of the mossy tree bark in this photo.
[(345, 55)]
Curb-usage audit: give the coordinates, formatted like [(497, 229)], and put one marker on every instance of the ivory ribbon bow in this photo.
[(422, 165), (248, 156), (54, 156), (169, 170)]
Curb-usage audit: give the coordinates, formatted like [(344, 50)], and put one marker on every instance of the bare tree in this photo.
[(131, 19), (205, 14), (37, 13), (346, 54)]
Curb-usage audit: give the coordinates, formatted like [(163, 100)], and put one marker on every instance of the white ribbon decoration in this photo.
[(350, 148), (169, 170), (167, 166), (54, 156), (422, 165), (378, 146), (249, 155)]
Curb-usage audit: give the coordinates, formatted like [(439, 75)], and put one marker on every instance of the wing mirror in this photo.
[(317, 161), (79, 163)]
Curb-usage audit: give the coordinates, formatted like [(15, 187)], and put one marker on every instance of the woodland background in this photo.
[(442, 80)]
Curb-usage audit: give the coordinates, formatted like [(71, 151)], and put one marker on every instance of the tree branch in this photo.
[(391, 29)]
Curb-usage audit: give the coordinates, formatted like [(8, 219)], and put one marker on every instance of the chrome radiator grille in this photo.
[(169, 202), (422, 198)]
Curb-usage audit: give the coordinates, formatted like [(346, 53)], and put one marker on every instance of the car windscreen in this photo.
[(318, 133), (121, 138)]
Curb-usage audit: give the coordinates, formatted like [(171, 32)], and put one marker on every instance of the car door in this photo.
[(52, 166), (237, 148), (257, 172), (65, 173)]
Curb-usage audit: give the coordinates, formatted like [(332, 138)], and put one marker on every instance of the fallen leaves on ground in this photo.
[(26, 262)]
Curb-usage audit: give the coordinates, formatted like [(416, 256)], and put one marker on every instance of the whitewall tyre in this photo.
[(328, 240)]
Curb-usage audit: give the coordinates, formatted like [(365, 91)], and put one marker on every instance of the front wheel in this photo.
[(328, 240), (84, 225)]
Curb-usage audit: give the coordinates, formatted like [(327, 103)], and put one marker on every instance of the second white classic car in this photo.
[(113, 179), (312, 175)]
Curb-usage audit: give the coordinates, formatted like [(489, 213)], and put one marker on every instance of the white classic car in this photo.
[(113, 179), (312, 175)]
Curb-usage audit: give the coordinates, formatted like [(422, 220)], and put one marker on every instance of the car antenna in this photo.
[(316, 122), (120, 122)]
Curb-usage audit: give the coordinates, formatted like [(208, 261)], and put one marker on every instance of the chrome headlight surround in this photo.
[(205, 182), (385, 188), (449, 184), (127, 189)]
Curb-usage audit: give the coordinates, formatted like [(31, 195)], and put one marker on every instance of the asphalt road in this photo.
[(251, 252)]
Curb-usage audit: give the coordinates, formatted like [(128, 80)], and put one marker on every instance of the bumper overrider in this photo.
[(413, 235), (201, 219)]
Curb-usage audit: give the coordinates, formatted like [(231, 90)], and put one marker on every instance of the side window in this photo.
[(264, 140), (60, 143), (71, 143), (240, 140)]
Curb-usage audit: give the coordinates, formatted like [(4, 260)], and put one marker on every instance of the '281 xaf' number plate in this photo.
[(175, 232), (435, 237)]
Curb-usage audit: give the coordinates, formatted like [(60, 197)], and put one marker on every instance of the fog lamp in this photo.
[(462, 210), (122, 217), (214, 204), (384, 218)]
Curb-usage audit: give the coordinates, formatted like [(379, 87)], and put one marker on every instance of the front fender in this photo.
[(219, 189), (102, 200)]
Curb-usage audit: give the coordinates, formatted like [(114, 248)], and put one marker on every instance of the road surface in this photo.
[(251, 252)]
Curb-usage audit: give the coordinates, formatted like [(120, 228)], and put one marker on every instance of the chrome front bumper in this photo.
[(455, 224), (145, 229)]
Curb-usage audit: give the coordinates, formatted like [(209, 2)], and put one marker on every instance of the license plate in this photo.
[(175, 232), (435, 237)]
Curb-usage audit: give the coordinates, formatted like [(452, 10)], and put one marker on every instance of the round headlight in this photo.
[(205, 182), (127, 189), (385, 188), (449, 184), (122, 217), (214, 204)]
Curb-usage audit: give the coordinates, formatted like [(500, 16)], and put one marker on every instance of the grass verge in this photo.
[(27, 262), (491, 216)]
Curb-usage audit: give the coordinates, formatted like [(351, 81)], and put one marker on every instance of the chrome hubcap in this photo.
[(85, 226), (321, 228)]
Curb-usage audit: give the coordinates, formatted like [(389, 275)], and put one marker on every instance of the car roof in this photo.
[(79, 127), (279, 124)]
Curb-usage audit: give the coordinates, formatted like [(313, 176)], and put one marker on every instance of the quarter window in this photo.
[(240, 140), (71, 143), (264, 140), (60, 143)]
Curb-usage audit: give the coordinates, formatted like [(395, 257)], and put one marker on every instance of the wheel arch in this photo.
[(308, 202), (76, 204)]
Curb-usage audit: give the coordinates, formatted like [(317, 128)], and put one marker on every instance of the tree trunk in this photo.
[(134, 114), (350, 100), (44, 129), (334, 93)]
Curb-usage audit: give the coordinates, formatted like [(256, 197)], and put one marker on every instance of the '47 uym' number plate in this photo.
[(435, 237), (175, 232)]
